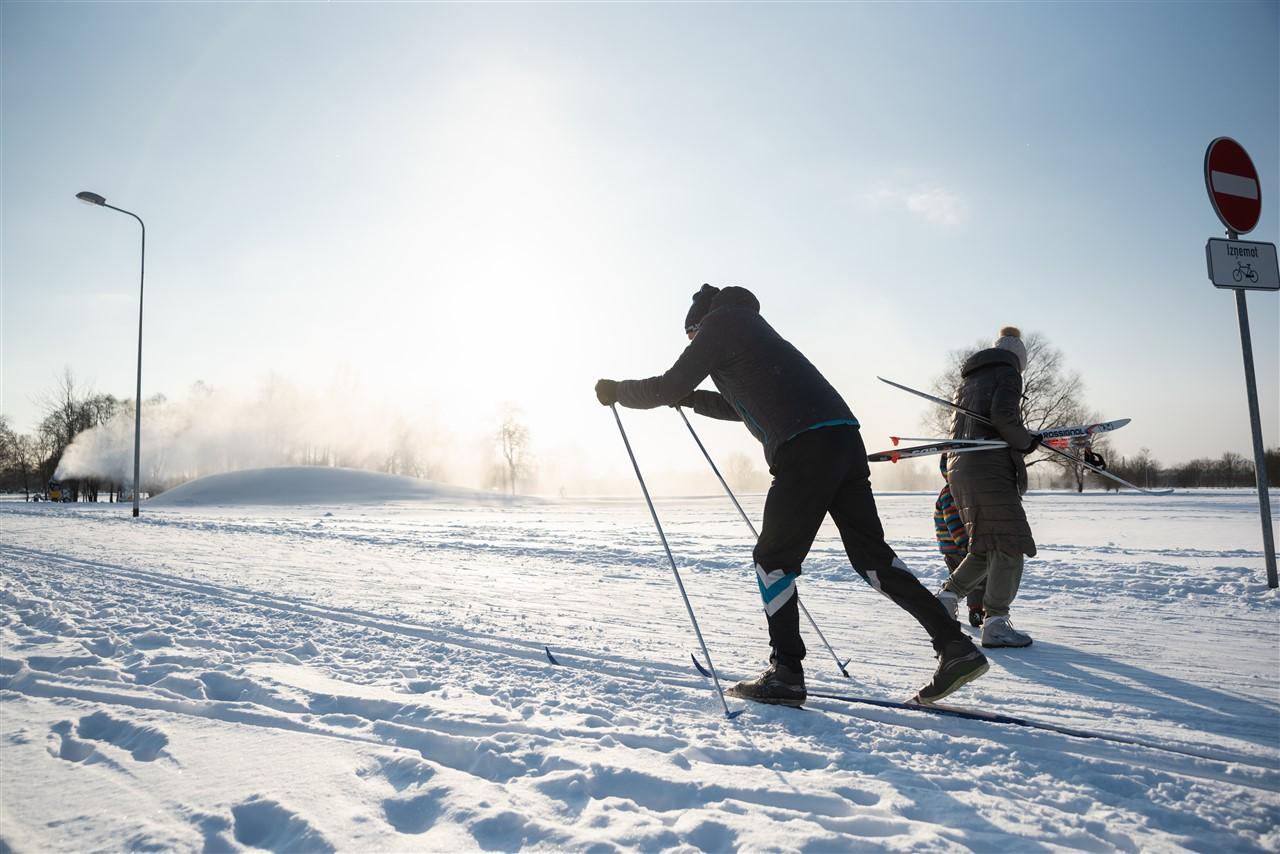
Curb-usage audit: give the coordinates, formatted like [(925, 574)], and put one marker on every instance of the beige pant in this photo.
[(1003, 573)]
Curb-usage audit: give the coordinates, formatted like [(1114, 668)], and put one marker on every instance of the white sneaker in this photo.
[(950, 601), (998, 631)]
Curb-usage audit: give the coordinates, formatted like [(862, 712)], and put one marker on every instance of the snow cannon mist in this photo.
[(213, 431)]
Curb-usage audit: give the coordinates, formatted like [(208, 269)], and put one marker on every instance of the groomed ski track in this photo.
[(525, 653), (397, 660)]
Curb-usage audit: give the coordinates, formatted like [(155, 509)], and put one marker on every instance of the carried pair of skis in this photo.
[(1052, 440)]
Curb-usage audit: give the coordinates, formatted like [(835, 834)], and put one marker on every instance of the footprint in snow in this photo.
[(214, 829), (151, 640), (68, 747), (707, 834), (506, 831), (144, 743), (861, 797), (9, 668), (221, 686), (263, 823), (101, 646), (402, 772), (64, 745), (415, 813)]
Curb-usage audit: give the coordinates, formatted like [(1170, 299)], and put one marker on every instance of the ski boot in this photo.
[(779, 685), (998, 632), (959, 662), (977, 613)]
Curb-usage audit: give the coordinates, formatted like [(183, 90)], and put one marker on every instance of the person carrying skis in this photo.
[(988, 485), (814, 449), (953, 542)]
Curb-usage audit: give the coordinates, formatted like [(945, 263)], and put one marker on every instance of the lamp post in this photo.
[(94, 199)]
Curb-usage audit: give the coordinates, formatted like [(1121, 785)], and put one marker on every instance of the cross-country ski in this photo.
[(944, 447)]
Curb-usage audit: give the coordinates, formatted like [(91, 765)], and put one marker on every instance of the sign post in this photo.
[(1236, 195)]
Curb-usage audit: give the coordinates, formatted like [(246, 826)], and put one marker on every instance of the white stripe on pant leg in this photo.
[(777, 587), (873, 577)]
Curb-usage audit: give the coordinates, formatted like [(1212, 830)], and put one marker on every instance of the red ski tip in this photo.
[(894, 457), (895, 440)]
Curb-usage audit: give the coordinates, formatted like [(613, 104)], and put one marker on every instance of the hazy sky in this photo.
[(455, 206)]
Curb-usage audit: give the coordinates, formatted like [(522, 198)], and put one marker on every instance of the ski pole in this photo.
[(674, 570), (756, 534)]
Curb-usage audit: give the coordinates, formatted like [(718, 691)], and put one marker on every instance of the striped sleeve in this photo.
[(948, 526)]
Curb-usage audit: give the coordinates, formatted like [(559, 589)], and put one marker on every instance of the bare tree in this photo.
[(64, 417), (63, 411), (741, 473), (1146, 466), (69, 411), (13, 454), (1190, 474), (411, 453), (513, 444), (1232, 467), (28, 454), (7, 440)]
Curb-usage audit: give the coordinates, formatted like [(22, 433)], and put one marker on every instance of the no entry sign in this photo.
[(1233, 185), (1236, 195)]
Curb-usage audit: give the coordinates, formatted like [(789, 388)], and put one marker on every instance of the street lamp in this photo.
[(94, 199)]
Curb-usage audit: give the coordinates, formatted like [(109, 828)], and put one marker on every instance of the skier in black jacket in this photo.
[(819, 466)]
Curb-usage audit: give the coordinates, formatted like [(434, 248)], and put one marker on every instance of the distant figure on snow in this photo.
[(988, 486), (815, 453), (953, 541)]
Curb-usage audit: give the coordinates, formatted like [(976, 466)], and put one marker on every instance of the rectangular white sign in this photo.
[(1242, 264)]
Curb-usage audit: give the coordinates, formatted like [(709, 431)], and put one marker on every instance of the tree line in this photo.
[(28, 461), (212, 433), (1231, 470)]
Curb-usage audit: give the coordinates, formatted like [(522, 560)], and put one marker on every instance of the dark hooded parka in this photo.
[(987, 485), (763, 380)]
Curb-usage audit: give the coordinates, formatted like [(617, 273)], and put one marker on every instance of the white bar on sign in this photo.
[(1234, 185)]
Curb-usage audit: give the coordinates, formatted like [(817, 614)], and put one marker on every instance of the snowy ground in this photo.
[(371, 677)]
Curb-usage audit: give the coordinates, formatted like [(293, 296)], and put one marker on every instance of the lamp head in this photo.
[(90, 198)]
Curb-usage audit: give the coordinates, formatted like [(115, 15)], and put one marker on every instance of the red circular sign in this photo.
[(1233, 185)]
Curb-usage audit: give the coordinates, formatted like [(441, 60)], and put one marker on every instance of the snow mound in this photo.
[(312, 485)]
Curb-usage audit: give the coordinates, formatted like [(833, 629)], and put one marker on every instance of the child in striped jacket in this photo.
[(953, 542)]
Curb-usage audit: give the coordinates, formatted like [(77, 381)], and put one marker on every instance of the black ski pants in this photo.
[(815, 473)]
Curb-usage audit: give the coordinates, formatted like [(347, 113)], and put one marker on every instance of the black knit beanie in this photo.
[(701, 305)]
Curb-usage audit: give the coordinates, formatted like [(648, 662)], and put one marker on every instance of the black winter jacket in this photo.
[(763, 380)]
